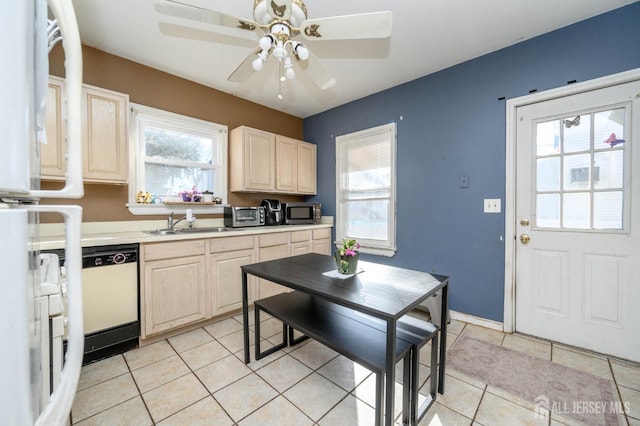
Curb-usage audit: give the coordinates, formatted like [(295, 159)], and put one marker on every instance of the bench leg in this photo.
[(292, 340), (408, 373), (379, 398), (260, 355), (418, 413)]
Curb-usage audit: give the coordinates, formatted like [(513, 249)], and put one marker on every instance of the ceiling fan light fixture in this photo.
[(279, 51), (266, 42), (301, 51), (289, 73), (260, 60)]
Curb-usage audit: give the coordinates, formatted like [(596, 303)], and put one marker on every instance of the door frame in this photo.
[(510, 176)]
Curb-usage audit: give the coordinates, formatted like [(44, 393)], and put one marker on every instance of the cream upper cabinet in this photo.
[(104, 134), (286, 164), (270, 163), (52, 163), (306, 168), (253, 160)]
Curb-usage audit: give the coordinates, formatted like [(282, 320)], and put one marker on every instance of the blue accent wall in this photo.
[(452, 123)]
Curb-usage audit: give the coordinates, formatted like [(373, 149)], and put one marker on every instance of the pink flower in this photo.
[(350, 252)]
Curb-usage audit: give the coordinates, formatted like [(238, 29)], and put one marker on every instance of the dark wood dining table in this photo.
[(382, 291)]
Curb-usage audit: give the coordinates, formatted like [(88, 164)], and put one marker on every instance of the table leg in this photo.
[(390, 381), (245, 317), (443, 338)]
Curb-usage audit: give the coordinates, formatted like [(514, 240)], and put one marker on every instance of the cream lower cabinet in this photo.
[(174, 287), (271, 247), (300, 242), (321, 241), (104, 135), (226, 257), (186, 282)]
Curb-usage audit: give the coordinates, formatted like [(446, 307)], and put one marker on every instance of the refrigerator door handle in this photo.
[(66, 18), (57, 410)]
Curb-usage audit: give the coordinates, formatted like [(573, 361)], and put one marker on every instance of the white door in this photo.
[(578, 220)]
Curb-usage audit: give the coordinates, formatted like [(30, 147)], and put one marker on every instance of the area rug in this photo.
[(562, 390)]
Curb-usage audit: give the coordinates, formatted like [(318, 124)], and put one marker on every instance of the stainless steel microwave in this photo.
[(299, 213), (238, 217)]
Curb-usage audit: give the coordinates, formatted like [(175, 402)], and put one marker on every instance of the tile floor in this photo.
[(198, 378)]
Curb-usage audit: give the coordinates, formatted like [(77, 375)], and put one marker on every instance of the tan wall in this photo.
[(151, 87)]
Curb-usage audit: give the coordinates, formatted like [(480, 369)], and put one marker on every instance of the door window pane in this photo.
[(577, 133), (548, 210), (576, 210), (607, 210), (548, 174), (577, 171), (548, 138), (608, 169), (608, 128)]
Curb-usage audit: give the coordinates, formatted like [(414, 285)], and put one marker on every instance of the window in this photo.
[(366, 188), (174, 153), (580, 171)]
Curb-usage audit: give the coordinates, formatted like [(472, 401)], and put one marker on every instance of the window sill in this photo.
[(163, 209)]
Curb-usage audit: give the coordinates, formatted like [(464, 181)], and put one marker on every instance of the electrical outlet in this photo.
[(492, 205)]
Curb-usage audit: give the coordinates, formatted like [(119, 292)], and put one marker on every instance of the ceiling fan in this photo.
[(279, 24)]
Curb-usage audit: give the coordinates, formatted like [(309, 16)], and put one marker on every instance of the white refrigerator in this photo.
[(23, 85)]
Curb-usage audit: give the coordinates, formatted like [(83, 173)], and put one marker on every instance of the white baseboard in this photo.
[(482, 322)]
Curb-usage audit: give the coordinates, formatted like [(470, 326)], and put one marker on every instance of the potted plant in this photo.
[(347, 256)]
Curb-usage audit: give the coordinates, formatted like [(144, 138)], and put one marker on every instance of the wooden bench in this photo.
[(357, 336)]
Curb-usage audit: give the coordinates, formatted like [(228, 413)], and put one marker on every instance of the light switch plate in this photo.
[(492, 205)]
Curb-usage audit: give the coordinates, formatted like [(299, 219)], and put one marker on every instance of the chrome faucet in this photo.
[(171, 223)]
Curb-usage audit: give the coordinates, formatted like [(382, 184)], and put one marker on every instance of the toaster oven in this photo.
[(238, 217)]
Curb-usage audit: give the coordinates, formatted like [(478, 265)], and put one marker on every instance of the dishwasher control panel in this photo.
[(108, 255)]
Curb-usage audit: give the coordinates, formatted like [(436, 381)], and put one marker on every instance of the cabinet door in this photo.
[(52, 160), (300, 248), (286, 164), (268, 288), (174, 294), (306, 168), (321, 246), (259, 160), (104, 135), (226, 279), (322, 241)]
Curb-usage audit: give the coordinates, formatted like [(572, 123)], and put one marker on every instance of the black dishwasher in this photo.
[(110, 300)]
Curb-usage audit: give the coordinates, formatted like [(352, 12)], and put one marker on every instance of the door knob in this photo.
[(524, 222), (524, 238)]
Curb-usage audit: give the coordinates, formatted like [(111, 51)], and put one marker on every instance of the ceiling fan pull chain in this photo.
[(280, 78)]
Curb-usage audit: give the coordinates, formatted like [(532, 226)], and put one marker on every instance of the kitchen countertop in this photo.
[(109, 233)]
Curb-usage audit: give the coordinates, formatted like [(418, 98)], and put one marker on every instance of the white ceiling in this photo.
[(427, 36)]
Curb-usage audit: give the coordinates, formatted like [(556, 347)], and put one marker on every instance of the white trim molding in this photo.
[(510, 175)]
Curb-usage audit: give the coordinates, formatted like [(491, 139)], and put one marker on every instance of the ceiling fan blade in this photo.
[(279, 9), (245, 69), (348, 27), (194, 13), (316, 71)]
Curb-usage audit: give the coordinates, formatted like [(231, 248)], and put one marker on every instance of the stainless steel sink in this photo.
[(188, 230), (162, 232), (197, 230)]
